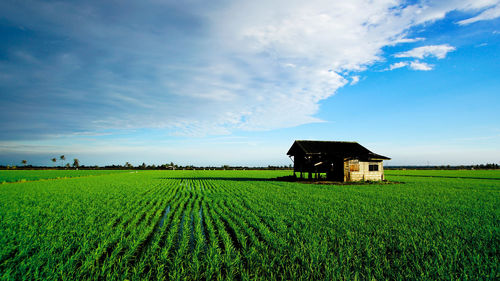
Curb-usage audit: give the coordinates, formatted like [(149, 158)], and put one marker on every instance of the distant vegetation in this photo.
[(171, 166), (478, 173), (143, 166), (153, 225), (489, 166)]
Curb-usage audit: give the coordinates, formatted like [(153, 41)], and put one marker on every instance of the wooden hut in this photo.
[(340, 160)]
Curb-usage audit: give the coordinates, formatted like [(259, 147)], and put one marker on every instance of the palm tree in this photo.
[(62, 158), (24, 162), (54, 160), (76, 163)]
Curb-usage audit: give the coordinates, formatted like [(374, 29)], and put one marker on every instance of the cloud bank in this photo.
[(193, 68)]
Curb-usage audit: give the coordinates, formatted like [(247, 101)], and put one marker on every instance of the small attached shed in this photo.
[(340, 160)]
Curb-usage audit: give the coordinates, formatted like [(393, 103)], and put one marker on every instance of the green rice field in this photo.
[(32, 175), (238, 225)]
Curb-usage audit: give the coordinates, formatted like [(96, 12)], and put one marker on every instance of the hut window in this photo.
[(373, 167), (354, 166)]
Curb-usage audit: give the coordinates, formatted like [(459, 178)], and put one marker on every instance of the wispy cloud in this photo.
[(397, 65), (354, 80), (416, 65), (409, 40), (488, 14), (438, 51)]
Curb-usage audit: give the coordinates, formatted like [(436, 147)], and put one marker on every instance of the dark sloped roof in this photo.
[(334, 148)]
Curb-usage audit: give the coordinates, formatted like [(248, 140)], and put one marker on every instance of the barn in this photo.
[(340, 160)]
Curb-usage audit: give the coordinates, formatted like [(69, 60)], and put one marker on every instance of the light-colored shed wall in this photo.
[(364, 173)]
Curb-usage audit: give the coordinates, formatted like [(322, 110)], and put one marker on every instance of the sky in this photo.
[(236, 82)]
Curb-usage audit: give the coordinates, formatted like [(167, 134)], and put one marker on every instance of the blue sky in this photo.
[(235, 82)]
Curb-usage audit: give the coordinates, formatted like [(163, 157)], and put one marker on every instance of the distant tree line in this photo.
[(171, 166), (24, 162), (489, 166), (143, 166)]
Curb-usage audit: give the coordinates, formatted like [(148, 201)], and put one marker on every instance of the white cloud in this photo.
[(438, 51), (354, 80), (409, 40), (488, 14), (434, 10), (416, 65), (397, 65), (313, 37)]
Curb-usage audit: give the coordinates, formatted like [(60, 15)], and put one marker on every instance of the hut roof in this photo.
[(345, 149)]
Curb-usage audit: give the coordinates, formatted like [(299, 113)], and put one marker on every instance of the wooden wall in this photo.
[(355, 170)]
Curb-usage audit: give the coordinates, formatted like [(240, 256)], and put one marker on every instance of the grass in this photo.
[(33, 175), (236, 225)]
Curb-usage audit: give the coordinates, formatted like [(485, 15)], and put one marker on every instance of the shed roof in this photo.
[(346, 149)]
